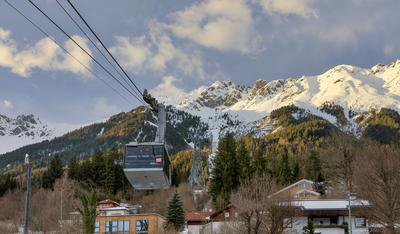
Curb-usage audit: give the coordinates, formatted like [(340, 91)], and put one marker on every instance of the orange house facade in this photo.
[(132, 224), (121, 218)]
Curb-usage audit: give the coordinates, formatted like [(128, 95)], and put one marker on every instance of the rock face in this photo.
[(358, 89), (226, 106), (345, 95), (22, 130)]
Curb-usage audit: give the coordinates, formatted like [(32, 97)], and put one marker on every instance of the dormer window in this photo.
[(226, 214)]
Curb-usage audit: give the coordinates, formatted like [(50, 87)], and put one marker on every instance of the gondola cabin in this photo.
[(147, 166)]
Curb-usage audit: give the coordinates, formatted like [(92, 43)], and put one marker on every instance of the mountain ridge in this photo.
[(345, 79), (346, 96), (22, 130)]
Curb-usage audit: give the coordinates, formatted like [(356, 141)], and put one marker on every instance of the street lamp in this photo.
[(28, 193)]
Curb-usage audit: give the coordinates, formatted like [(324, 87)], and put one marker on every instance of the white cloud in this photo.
[(225, 25), (103, 109), (168, 91), (168, 87), (289, 7), (133, 52), (44, 54), (6, 105), (157, 52), (390, 49)]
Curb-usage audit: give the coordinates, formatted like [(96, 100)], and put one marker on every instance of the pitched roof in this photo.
[(197, 216), (293, 185), (108, 201)]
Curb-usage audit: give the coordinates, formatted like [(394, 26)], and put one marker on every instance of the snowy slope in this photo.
[(20, 131), (354, 88)]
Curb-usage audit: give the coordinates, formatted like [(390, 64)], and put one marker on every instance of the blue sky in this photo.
[(175, 46)]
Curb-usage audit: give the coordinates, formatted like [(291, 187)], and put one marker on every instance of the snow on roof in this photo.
[(115, 208), (197, 216), (107, 201), (328, 204)]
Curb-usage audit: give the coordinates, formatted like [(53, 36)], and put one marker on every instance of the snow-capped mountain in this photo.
[(20, 131), (344, 95), (353, 88)]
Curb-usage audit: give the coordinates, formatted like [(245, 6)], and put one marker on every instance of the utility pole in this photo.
[(27, 194), (350, 224), (350, 197)]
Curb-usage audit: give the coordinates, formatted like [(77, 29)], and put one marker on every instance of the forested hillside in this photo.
[(136, 125)]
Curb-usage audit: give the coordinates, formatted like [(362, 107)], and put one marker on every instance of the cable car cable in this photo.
[(109, 53), (83, 49), (65, 50), (94, 44)]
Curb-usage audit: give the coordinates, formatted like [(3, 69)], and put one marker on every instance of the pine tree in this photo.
[(313, 167), (243, 157), (225, 176), (108, 173), (7, 183), (73, 167), (314, 171), (175, 213), (53, 172), (285, 173), (309, 229), (295, 171), (258, 163)]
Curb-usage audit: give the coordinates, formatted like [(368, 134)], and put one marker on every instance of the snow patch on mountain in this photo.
[(226, 106), (20, 131)]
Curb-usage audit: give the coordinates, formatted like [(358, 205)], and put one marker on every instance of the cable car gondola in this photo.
[(147, 165)]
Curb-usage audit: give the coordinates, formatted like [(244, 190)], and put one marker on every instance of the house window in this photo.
[(288, 222), (226, 214), (142, 226), (360, 222), (97, 226), (119, 226)]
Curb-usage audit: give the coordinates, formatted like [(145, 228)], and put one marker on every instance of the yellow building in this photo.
[(130, 223), (122, 218)]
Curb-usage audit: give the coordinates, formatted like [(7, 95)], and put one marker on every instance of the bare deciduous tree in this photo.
[(258, 211), (12, 206), (377, 180)]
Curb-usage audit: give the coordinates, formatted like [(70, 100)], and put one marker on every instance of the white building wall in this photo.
[(194, 229), (330, 230), (300, 222)]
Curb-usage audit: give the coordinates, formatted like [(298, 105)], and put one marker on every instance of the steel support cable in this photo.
[(83, 49), (109, 53), (66, 51), (94, 44)]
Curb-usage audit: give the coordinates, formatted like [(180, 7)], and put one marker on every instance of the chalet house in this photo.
[(210, 222), (303, 189), (196, 220), (116, 217), (329, 216)]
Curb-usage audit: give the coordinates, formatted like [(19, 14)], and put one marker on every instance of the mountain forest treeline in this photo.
[(302, 145)]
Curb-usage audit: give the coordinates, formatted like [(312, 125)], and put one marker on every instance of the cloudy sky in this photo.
[(175, 46)]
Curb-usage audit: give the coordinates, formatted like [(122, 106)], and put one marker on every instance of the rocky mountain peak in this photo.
[(218, 94), (22, 130)]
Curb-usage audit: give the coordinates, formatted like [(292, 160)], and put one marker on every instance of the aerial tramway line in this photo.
[(146, 165)]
